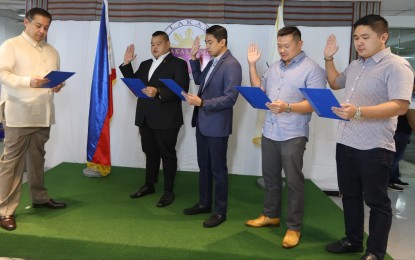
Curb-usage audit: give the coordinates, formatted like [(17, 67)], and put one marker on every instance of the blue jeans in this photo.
[(401, 141), (363, 176)]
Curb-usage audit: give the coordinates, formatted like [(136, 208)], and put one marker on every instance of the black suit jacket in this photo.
[(164, 111)]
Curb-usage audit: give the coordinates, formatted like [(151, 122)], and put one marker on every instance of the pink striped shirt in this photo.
[(376, 80)]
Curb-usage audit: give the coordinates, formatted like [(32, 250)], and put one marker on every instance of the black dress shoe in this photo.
[(369, 256), (343, 246), (400, 183), (51, 204), (8, 223), (166, 199), (196, 209), (143, 191), (214, 220)]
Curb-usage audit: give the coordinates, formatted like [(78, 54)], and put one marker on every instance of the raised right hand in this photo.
[(129, 54), (254, 53), (195, 48), (331, 47)]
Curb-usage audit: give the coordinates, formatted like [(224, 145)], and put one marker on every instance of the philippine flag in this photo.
[(100, 109)]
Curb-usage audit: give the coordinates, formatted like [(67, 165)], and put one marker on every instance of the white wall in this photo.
[(76, 43)]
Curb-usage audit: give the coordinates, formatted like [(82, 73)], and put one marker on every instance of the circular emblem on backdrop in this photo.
[(182, 34)]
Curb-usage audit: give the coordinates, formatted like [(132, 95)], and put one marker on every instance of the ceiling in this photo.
[(398, 8), (11, 8)]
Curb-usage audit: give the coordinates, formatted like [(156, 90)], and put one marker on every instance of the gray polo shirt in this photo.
[(281, 83), (376, 80)]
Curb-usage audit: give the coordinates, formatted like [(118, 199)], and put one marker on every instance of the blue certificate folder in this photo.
[(322, 100), (136, 86), (255, 96), (56, 78), (173, 86)]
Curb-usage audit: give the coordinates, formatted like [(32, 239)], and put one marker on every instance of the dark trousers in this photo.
[(211, 157), (363, 176), (401, 141), (160, 145)]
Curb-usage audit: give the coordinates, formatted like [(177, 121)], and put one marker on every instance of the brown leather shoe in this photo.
[(8, 223), (51, 204), (291, 239), (263, 221)]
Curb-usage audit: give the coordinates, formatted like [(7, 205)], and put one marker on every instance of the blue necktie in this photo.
[(209, 72)]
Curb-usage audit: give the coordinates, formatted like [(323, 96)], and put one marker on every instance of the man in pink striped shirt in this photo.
[(378, 88)]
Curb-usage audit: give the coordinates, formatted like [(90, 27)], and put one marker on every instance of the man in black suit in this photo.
[(160, 117)]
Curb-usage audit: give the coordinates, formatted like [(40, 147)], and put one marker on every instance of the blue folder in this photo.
[(56, 78), (173, 86), (136, 86), (322, 100), (255, 96)]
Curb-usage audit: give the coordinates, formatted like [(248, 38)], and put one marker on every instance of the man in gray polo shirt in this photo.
[(378, 88), (285, 130)]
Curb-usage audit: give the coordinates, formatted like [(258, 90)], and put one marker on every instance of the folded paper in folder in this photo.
[(136, 86), (255, 96), (56, 78), (173, 86), (322, 100)]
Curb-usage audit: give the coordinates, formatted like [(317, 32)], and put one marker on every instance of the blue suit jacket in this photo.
[(219, 95)]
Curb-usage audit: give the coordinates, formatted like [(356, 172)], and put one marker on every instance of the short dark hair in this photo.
[(161, 33), (376, 22), (37, 11), (218, 32), (293, 30)]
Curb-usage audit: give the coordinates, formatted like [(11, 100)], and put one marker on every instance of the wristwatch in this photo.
[(358, 114), (288, 108)]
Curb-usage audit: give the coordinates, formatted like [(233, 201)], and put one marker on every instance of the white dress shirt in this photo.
[(155, 64)]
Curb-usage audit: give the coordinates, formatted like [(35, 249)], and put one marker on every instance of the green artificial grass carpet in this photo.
[(102, 222)]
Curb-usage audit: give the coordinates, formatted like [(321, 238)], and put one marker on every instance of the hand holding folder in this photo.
[(56, 78), (173, 86), (255, 96), (322, 100), (136, 86)]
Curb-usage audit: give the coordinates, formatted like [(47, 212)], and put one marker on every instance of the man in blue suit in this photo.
[(212, 118)]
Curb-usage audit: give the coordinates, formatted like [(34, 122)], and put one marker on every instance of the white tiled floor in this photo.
[(401, 244)]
